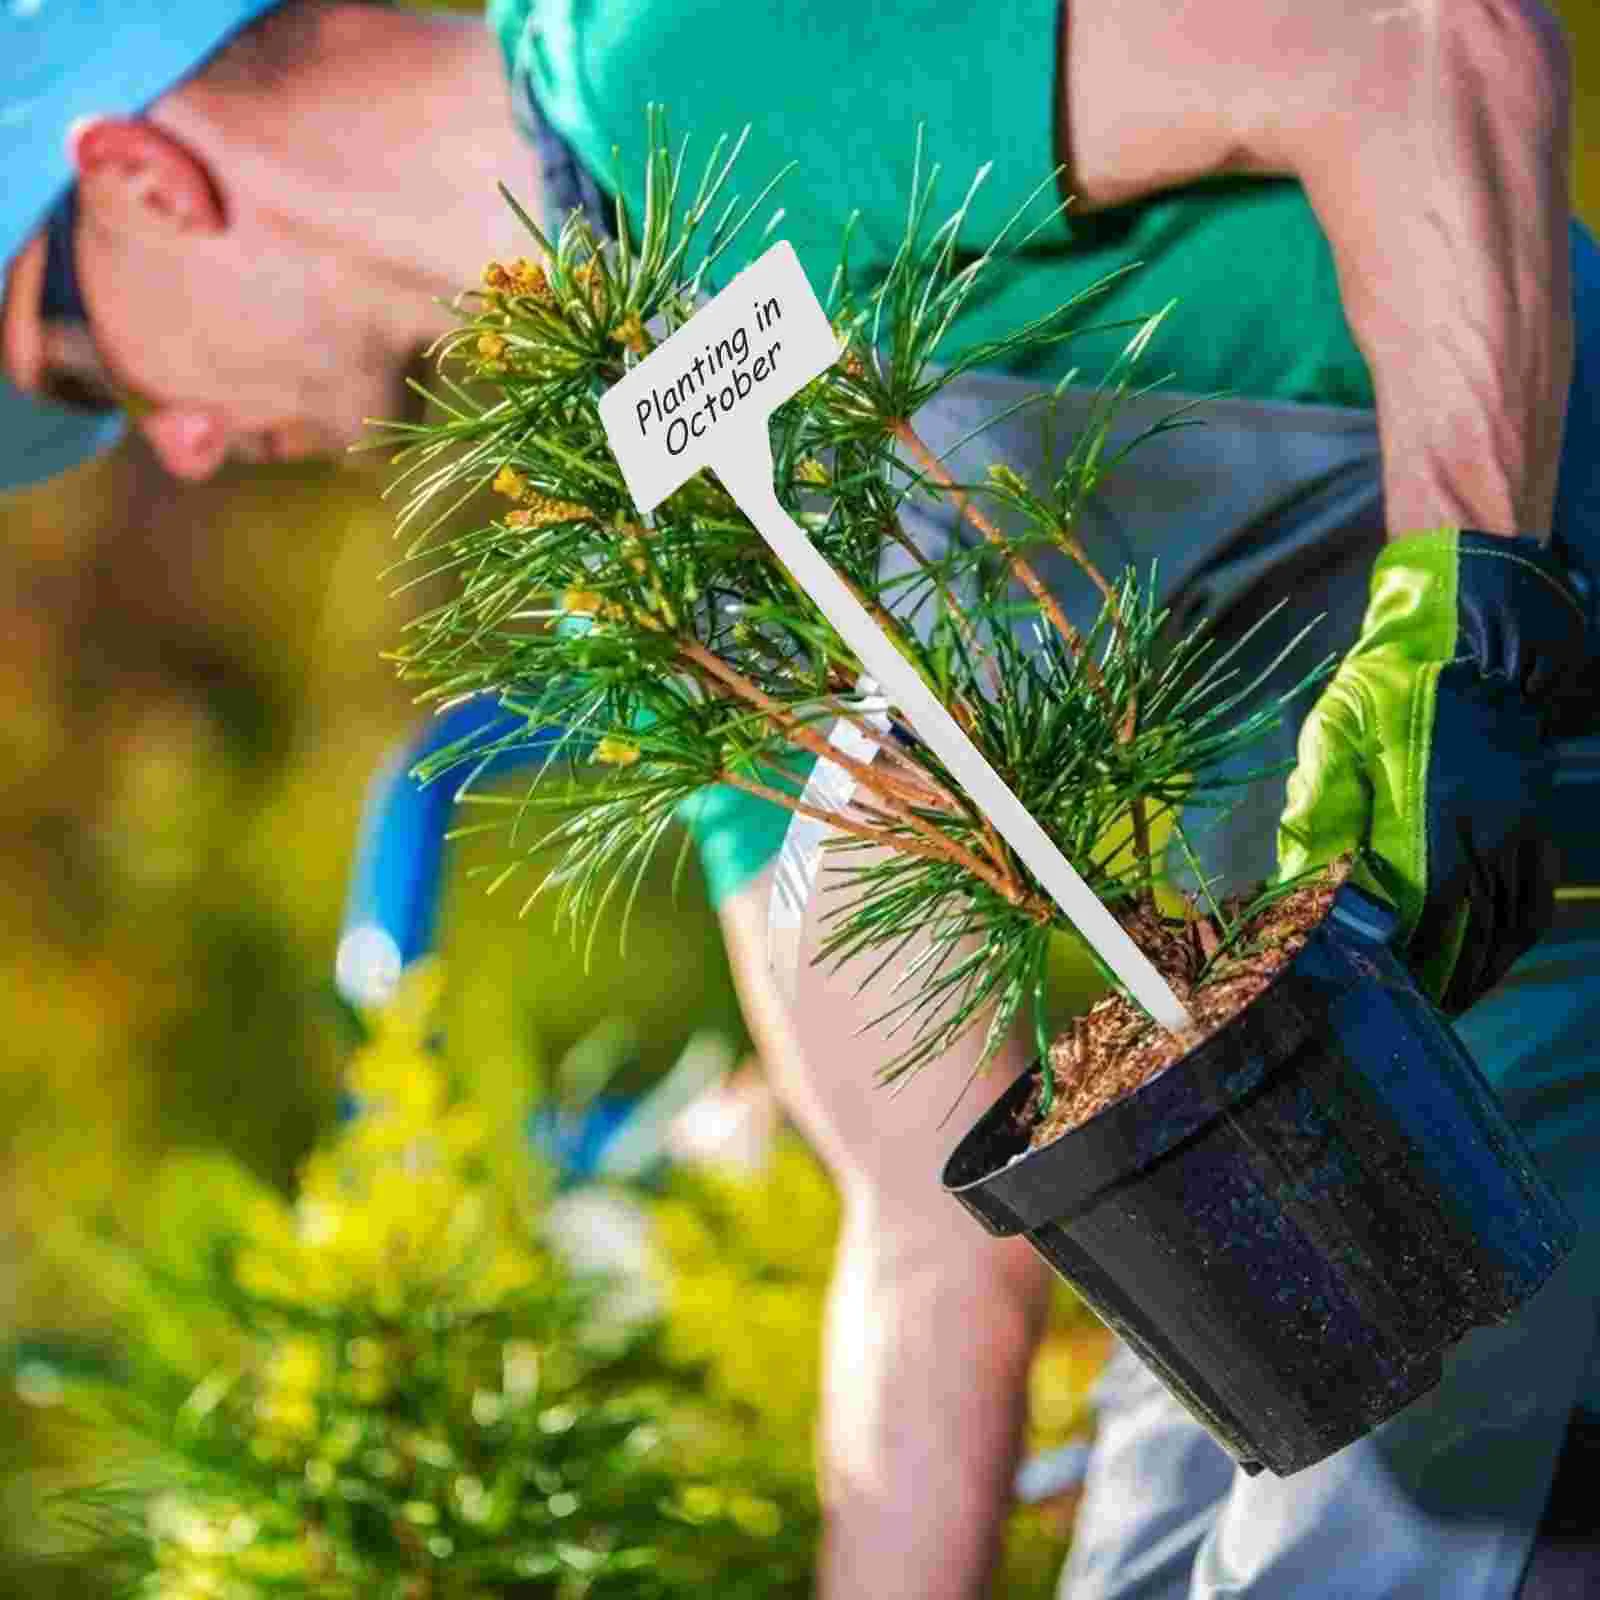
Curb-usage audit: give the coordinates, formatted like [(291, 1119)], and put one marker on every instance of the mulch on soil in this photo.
[(1113, 1048)]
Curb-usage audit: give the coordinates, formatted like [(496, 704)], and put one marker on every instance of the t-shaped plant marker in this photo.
[(702, 399)]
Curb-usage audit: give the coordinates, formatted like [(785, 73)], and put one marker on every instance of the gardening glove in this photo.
[(1429, 751)]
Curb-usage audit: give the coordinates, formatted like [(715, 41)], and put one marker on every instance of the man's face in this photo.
[(244, 334)]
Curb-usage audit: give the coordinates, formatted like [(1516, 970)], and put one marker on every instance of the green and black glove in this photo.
[(1430, 750)]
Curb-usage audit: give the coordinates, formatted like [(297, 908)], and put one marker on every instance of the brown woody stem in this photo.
[(1137, 815), (1020, 566), (859, 830), (1070, 543), (807, 738), (917, 786), (936, 470), (906, 543)]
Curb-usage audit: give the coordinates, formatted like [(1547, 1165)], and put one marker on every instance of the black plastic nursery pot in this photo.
[(1293, 1223)]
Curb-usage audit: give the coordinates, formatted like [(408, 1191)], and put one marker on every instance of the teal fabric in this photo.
[(736, 834), (839, 89)]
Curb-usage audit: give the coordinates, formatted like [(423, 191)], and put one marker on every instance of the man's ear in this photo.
[(134, 174), (21, 336)]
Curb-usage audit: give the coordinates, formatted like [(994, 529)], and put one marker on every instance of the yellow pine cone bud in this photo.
[(614, 752), (591, 278), (850, 361), (496, 279), (528, 279), (545, 510), (583, 602), (1004, 477), (629, 333), (509, 482), (491, 346), (809, 470)]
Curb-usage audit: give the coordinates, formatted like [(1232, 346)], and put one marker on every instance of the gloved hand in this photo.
[(1430, 748)]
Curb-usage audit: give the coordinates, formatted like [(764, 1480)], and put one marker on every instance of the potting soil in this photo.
[(1114, 1047)]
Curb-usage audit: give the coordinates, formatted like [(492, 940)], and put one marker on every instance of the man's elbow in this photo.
[(1155, 96), (1448, 86), (1511, 52)]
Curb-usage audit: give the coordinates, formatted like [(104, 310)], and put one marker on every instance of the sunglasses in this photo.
[(74, 376)]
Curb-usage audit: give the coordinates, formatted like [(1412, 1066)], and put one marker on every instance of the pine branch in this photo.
[(676, 653)]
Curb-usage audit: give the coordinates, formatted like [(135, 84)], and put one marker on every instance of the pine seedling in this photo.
[(675, 652)]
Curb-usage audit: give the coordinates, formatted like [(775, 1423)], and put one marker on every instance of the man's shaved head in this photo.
[(271, 49)]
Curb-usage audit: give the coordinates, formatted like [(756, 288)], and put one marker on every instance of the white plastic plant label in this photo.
[(697, 399), (702, 399)]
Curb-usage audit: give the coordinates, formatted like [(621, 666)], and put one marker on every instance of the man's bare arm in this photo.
[(1432, 138)]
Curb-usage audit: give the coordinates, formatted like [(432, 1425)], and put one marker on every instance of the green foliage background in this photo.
[(191, 704)]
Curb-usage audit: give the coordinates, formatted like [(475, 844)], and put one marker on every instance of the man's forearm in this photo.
[(1432, 141)]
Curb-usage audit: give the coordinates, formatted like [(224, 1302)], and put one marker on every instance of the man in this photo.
[(1431, 141), (1445, 210)]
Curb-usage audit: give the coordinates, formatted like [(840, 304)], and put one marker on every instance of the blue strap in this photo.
[(394, 890)]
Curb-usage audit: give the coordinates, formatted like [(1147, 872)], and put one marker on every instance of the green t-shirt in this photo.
[(838, 88)]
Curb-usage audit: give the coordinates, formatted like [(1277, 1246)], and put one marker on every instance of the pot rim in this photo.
[(1139, 1127)]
